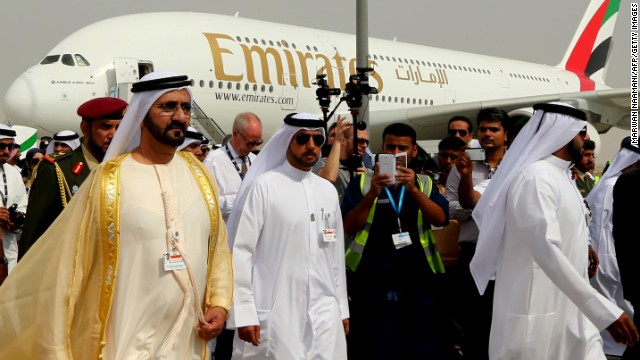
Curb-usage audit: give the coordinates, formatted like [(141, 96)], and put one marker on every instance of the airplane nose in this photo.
[(18, 101)]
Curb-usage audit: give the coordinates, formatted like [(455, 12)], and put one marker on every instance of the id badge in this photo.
[(173, 261), (401, 240), (329, 235)]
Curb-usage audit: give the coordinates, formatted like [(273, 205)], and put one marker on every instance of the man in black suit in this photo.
[(626, 199), (58, 176)]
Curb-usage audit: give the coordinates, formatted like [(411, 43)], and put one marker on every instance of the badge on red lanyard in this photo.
[(77, 168)]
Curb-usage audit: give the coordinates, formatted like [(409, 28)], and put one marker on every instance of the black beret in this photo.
[(103, 108)]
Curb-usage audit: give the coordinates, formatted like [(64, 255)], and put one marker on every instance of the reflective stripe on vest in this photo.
[(427, 240)]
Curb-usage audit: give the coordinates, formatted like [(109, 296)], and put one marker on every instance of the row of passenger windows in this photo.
[(66, 59), (230, 86), (529, 77), (263, 88)]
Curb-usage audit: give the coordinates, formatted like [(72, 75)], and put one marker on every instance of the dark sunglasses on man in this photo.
[(10, 146), (453, 132), (303, 139)]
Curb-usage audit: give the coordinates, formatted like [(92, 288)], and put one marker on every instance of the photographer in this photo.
[(14, 202)]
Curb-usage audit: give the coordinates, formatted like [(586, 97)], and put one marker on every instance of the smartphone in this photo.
[(476, 154), (387, 165)]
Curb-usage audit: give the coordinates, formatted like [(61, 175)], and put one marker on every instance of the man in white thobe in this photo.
[(533, 238), (137, 266), (12, 191), (600, 200), (290, 299)]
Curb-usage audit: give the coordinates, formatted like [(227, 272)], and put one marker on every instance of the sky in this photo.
[(536, 31)]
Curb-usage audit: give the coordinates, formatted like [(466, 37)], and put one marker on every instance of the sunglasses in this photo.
[(303, 139), (10, 146), (453, 132), (363, 141), (250, 143)]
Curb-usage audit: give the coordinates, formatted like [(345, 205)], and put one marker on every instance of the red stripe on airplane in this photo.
[(579, 58)]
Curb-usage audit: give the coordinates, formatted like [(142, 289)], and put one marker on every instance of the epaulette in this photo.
[(57, 156)]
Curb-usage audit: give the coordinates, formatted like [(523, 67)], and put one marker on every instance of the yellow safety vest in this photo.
[(428, 241)]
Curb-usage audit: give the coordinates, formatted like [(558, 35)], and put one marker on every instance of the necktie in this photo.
[(243, 171)]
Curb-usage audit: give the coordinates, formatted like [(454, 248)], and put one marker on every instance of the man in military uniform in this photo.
[(582, 169), (59, 175)]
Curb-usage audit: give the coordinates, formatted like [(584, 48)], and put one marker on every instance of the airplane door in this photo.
[(127, 72), (449, 97), (553, 77), (497, 72), (289, 99)]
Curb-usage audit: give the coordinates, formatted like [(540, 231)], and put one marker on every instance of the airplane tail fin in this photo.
[(589, 50)]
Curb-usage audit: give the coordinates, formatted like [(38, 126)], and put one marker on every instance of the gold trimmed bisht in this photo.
[(56, 302)]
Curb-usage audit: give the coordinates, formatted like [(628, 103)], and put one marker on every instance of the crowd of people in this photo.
[(138, 239)]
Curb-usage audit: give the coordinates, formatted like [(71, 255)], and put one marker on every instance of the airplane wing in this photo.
[(605, 109)]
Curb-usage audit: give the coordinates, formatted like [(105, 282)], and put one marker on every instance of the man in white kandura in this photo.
[(290, 298), (533, 238), (600, 200), (137, 266)]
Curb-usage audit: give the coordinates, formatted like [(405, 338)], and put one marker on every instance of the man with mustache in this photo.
[(465, 184), (137, 266), (533, 230), (59, 176), (290, 297)]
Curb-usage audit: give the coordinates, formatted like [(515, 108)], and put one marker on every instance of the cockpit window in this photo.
[(81, 61), (67, 59), (50, 59)]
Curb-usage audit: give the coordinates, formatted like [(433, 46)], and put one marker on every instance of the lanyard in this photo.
[(5, 196), (235, 163), (398, 208)]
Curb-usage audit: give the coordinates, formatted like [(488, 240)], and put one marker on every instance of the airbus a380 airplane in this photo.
[(247, 65)]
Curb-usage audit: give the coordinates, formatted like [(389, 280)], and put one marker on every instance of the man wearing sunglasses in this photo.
[(393, 259), (462, 128), (466, 181), (230, 163), (290, 298), (59, 176), (12, 191)]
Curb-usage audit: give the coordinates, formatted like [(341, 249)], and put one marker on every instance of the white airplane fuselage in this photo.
[(249, 65)]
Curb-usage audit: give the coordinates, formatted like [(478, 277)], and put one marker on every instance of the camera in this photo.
[(16, 217)]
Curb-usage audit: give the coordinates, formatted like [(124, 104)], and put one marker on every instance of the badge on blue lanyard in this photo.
[(400, 239)]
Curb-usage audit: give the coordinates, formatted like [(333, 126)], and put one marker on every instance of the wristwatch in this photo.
[(4, 261)]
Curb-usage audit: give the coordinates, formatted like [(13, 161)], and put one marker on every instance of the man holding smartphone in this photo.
[(465, 184), (394, 277)]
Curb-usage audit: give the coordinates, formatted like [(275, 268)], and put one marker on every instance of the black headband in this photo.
[(561, 109), (193, 135), (309, 123), (65, 137), (163, 83), (628, 146), (8, 132)]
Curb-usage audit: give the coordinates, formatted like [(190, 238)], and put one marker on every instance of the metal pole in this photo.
[(362, 50)]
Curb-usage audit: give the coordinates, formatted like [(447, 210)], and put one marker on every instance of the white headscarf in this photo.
[(545, 133), (272, 155), (192, 136), (69, 137), (127, 137), (623, 158), (6, 131)]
